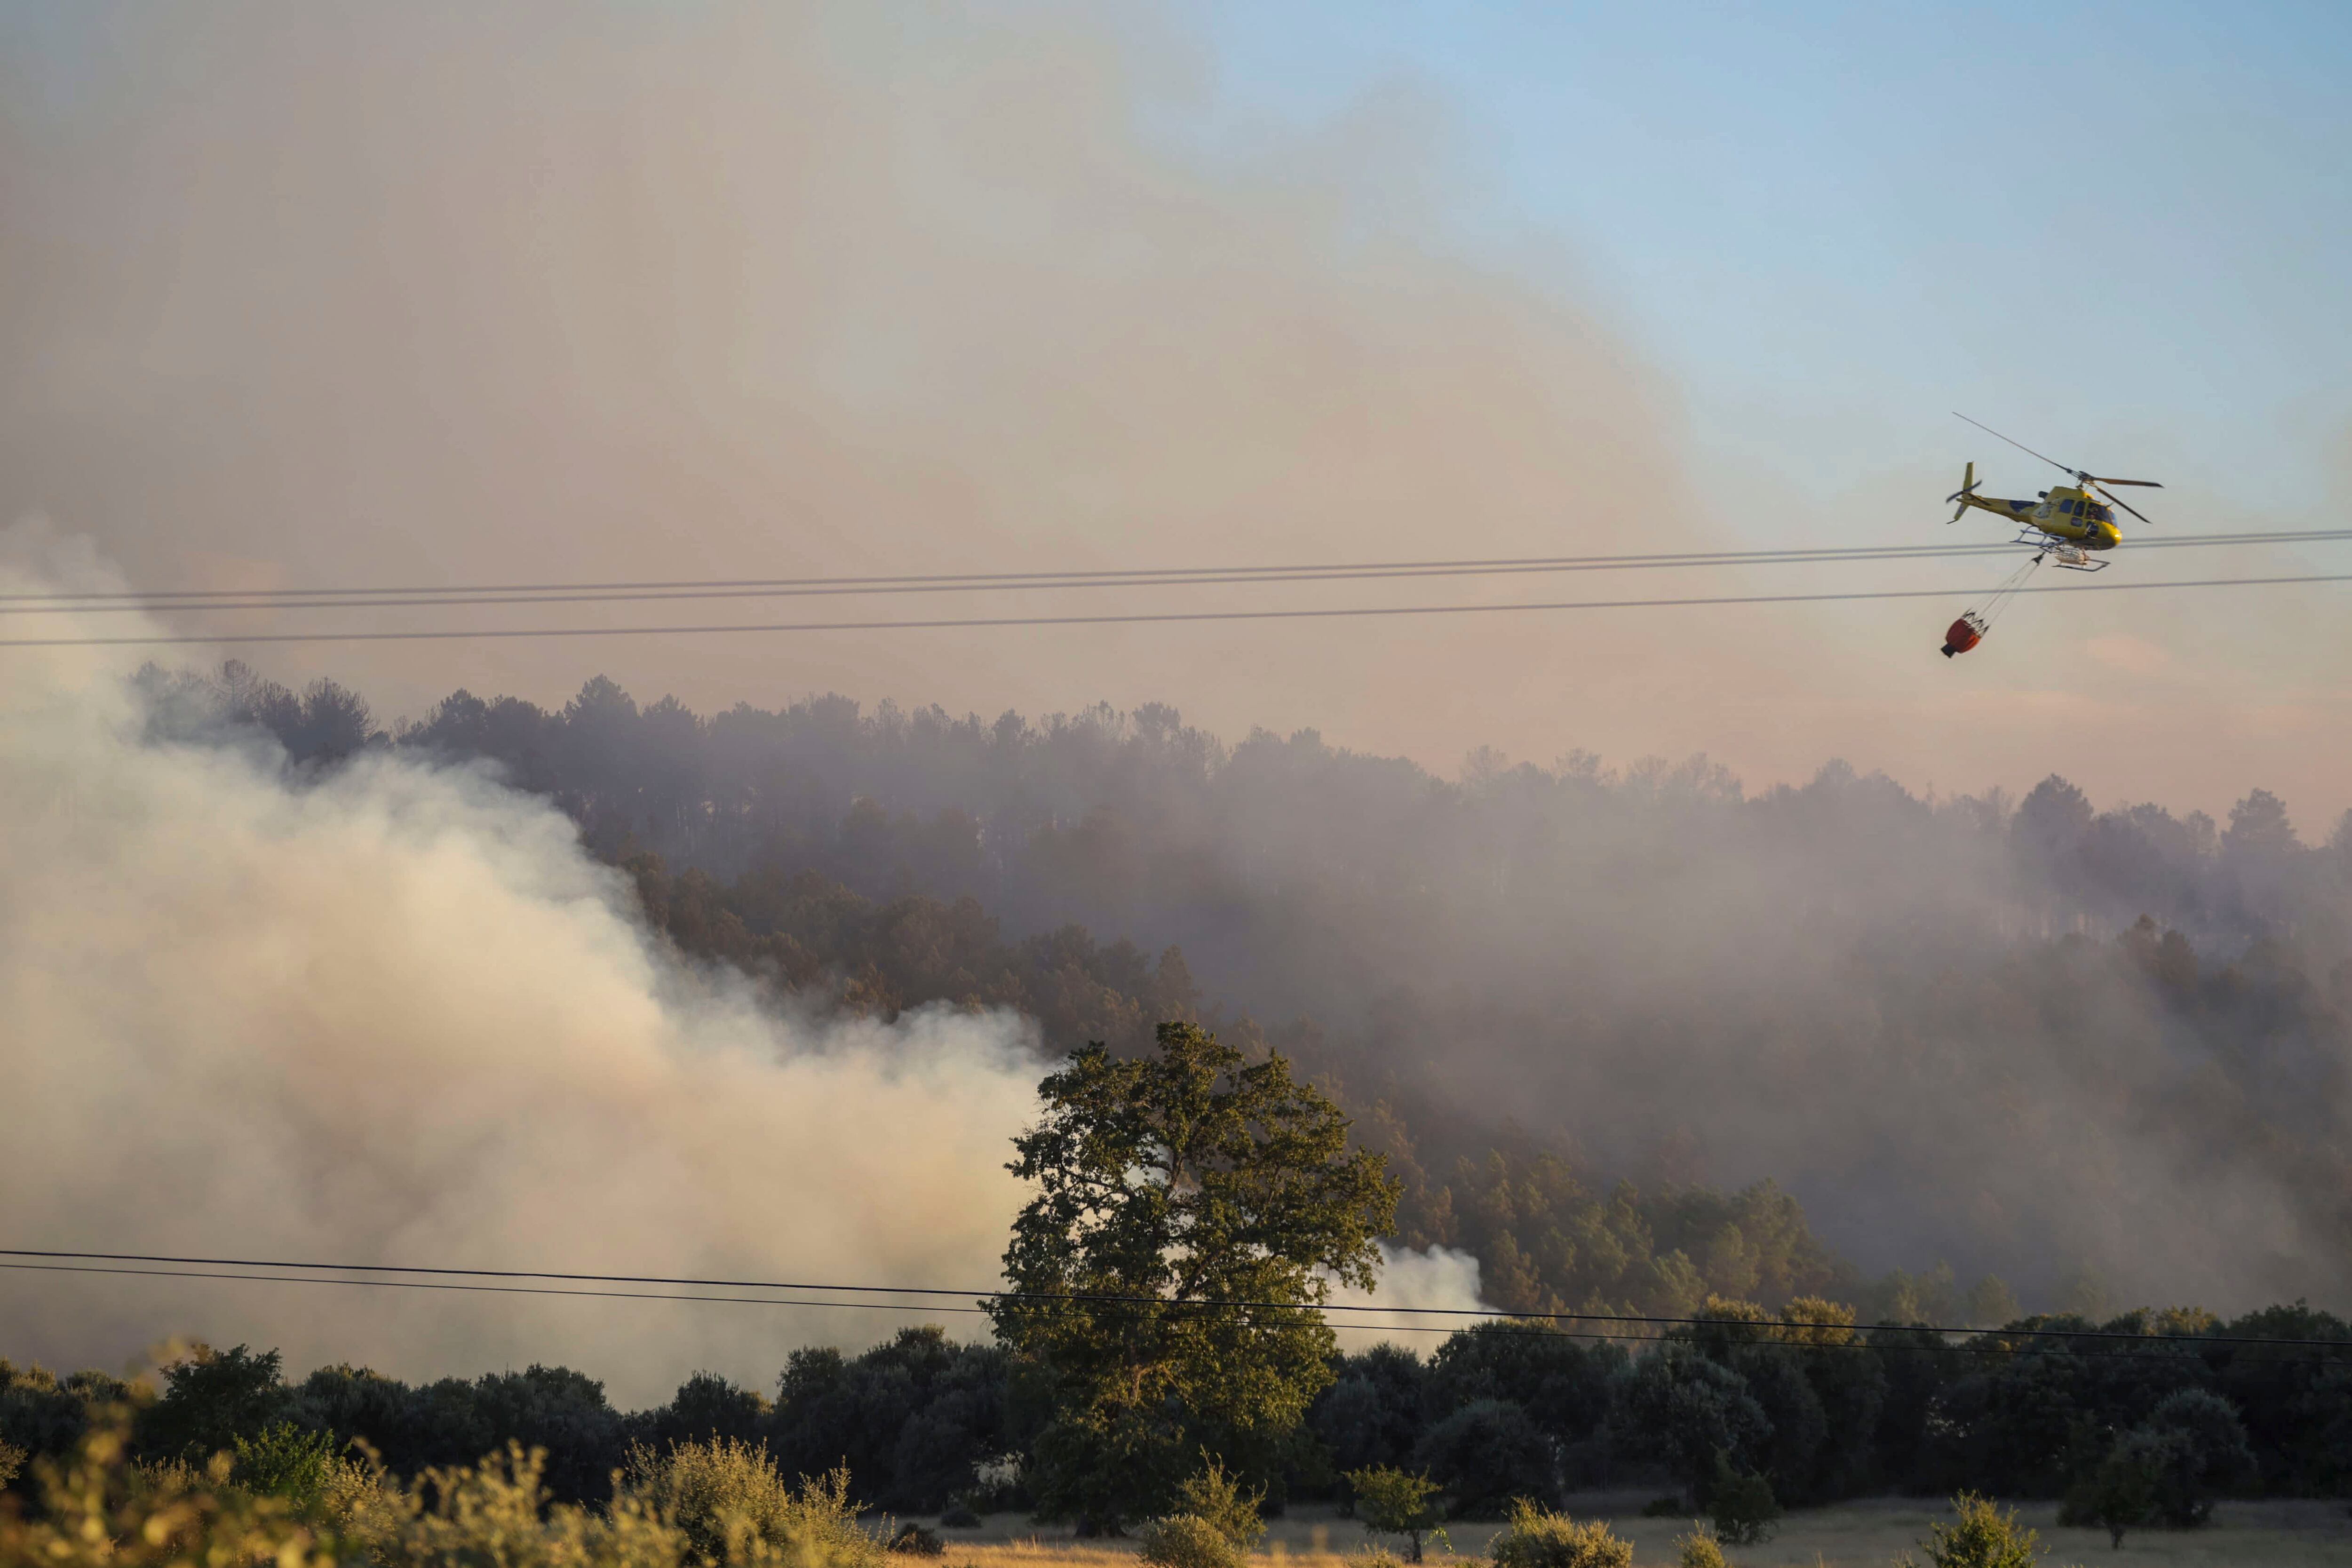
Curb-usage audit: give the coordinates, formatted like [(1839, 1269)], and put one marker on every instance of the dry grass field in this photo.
[(1866, 1534)]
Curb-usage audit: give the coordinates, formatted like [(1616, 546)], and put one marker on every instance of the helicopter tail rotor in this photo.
[(1967, 487)]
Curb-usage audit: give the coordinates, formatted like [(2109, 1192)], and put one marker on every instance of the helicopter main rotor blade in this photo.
[(2018, 445), (2127, 506), (2103, 480)]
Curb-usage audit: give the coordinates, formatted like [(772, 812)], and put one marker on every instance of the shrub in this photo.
[(97, 1511), (1983, 1537), (959, 1515), (284, 1461), (2119, 1494), (732, 1505), (1538, 1538), (2199, 1445), (1211, 1493), (12, 1461), (500, 1512), (1663, 1507), (1391, 1502), (1374, 1557), (1700, 1549), (1188, 1540), (1740, 1503)]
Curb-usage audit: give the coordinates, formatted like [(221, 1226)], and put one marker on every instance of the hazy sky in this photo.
[(358, 294)]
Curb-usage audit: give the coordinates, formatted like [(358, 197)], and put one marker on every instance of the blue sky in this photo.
[(2121, 232)]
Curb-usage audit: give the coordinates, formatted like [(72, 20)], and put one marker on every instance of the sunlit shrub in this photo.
[(734, 1506), (1188, 1540), (1538, 1538)]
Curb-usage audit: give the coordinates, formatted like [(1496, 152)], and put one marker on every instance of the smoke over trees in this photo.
[(2095, 1054)]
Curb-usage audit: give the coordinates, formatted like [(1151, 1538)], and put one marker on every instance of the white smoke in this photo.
[(1441, 1277), (395, 1015)]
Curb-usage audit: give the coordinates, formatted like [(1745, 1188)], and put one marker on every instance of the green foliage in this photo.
[(1700, 1549), (1484, 1455), (2200, 1447), (211, 1398), (1561, 1385), (1665, 1507), (1388, 1501), (2118, 1495), (284, 1461), (1682, 1409), (99, 1510), (914, 1540), (1213, 1494), (732, 1505), (12, 1463), (912, 1418), (1191, 1175), (1740, 1503), (1188, 1540), (500, 1512), (1983, 1537), (1374, 1414), (1538, 1538)]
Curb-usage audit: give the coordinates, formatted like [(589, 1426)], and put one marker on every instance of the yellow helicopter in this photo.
[(2062, 523)]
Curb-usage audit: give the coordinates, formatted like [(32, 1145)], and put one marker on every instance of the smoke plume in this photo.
[(394, 1016)]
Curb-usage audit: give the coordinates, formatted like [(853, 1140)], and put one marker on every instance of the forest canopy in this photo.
[(1611, 1026)]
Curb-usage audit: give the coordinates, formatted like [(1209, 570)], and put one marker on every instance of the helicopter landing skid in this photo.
[(2074, 558)]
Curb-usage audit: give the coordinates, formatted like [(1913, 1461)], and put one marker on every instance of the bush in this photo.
[(500, 1512), (1538, 1538), (959, 1515), (732, 1505), (99, 1510), (2199, 1445), (1211, 1493), (1666, 1507), (12, 1462), (284, 1461), (1391, 1502), (1188, 1540), (1740, 1503), (1700, 1549), (2119, 1494), (1984, 1537), (1485, 1454)]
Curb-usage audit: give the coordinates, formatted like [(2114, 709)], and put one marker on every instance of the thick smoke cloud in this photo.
[(1914, 1013), (395, 1015)]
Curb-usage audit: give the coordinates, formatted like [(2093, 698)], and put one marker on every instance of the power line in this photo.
[(1189, 576), (1137, 618), (1531, 1324), (1042, 1298)]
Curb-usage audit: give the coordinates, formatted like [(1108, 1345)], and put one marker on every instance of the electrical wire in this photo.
[(83, 1261), (1131, 618), (1190, 577), (1532, 1324)]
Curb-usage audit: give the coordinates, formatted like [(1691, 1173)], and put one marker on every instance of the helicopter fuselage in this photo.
[(2063, 513)]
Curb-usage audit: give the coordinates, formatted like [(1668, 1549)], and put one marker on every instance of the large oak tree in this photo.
[(1192, 1211)]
